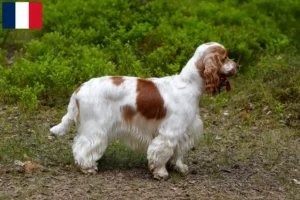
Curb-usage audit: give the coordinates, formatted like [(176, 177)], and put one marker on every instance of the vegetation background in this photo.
[(259, 121)]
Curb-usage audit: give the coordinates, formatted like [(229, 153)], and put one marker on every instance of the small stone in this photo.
[(218, 137), (193, 171), (18, 163), (226, 113), (51, 137), (296, 181)]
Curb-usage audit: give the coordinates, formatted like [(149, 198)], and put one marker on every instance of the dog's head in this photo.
[(214, 66)]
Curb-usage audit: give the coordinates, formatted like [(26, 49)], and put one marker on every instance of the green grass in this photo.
[(258, 145)]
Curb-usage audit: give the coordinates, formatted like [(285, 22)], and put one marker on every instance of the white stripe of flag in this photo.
[(22, 15)]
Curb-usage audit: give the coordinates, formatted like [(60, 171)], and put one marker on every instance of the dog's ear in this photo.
[(211, 77), (209, 66)]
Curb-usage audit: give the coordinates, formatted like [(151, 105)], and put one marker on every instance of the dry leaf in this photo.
[(245, 116), (266, 108), (31, 167), (249, 106)]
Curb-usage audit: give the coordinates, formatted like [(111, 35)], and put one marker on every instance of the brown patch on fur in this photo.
[(78, 108), (128, 113), (149, 101), (209, 66), (117, 80)]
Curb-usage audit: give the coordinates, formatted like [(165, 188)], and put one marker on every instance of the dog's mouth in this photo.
[(223, 82)]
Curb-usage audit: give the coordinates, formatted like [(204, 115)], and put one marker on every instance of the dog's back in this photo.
[(128, 108)]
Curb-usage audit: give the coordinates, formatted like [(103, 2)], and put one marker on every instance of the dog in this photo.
[(157, 115)]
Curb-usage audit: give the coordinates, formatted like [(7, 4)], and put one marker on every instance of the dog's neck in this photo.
[(190, 74)]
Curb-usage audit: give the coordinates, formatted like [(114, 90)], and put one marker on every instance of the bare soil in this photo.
[(238, 182), (250, 160)]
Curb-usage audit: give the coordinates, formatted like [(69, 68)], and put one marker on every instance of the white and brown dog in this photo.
[(157, 115)]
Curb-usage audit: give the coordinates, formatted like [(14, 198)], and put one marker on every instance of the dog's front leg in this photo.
[(185, 143), (159, 152)]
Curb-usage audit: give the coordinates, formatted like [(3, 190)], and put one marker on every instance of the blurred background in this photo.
[(85, 39)]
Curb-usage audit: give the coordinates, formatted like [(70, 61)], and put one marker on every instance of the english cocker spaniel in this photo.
[(157, 115)]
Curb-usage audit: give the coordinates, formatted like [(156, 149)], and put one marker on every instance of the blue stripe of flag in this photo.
[(8, 15)]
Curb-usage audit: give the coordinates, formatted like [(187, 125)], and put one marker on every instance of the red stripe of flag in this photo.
[(35, 15)]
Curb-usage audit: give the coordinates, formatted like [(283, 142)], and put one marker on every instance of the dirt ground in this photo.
[(238, 182), (256, 159)]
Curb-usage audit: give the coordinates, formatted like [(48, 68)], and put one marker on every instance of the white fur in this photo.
[(165, 140)]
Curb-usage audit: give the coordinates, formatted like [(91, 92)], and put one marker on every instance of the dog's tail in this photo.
[(69, 119)]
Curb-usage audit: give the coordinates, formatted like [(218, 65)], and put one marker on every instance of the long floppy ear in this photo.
[(209, 66)]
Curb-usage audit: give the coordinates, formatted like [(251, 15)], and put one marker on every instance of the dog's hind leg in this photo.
[(89, 146)]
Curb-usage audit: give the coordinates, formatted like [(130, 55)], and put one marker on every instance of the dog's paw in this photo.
[(58, 130), (183, 168), (89, 170), (160, 174)]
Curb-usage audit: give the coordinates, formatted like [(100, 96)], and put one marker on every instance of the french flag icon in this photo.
[(21, 15)]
